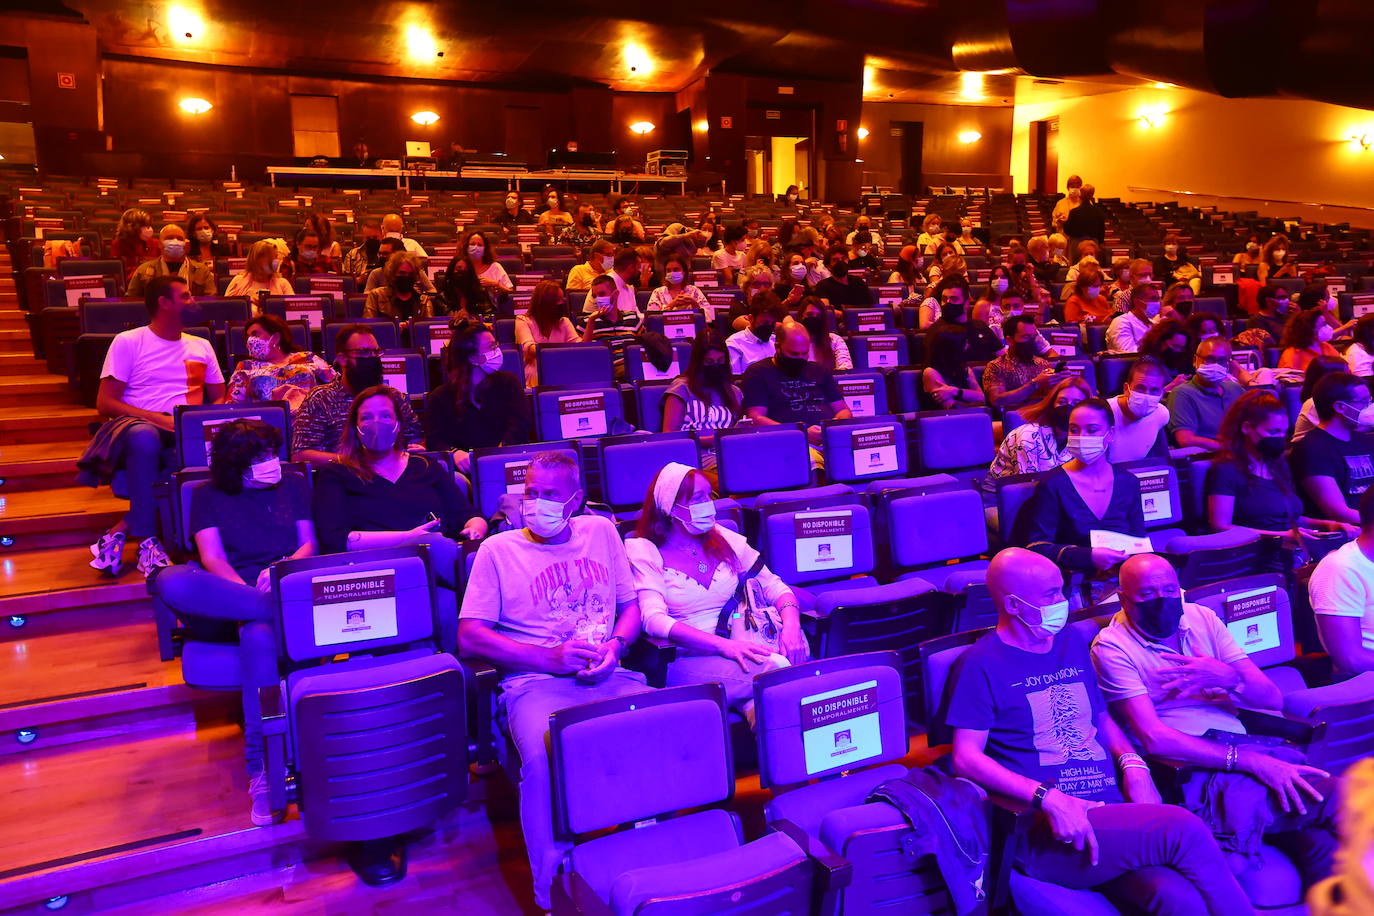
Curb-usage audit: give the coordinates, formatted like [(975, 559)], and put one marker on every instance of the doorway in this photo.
[(786, 153), (912, 143), (1044, 156)]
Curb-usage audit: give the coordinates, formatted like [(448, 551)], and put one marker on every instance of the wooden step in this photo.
[(39, 465), (15, 340), (59, 518), (11, 319), (38, 423), (38, 389), (36, 582), (20, 364)]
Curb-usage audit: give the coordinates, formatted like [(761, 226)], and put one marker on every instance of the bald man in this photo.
[(393, 227), (173, 261), (1030, 724), (788, 388), (1172, 673)]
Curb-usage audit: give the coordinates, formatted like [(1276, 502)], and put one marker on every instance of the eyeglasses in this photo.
[(368, 351)]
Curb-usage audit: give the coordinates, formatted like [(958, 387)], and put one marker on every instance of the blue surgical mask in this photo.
[(264, 473), (544, 517), (1052, 617)]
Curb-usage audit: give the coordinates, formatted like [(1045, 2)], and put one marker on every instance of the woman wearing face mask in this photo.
[(275, 369), (910, 273), (203, 244), (461, 293), (380, 495), (932, 235), (553, 219), (546, 321), (1039, 443), (1360, 354), (1319, 368), (687, 570), (248, 517), (1059, 250), (797, 280), (1274, 261), (307, 257), (482, 262), (1174, 265), (1249, 484), (1139, 272), (260, 275), (759, 254), (1086, 302), (862, 255), (828, 350), (948, 381), (134, 240), (1306, 335), (1168, 344), (1086, 494), (677, 291), (479, 405), (989, 309), (398, 296), (791, 196), (1249, 256), (704, 399)]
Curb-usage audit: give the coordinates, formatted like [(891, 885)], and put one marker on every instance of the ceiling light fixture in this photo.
[(184, 23), (425, 118), (421, 46), (195, 106), (641, 127), (863, 133), (970, 136), (1364, 140)]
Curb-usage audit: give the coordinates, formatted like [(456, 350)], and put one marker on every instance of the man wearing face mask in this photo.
[(306, 259), (1031, 724), (863, 254), (553, 607), (364, 257), (1139, 415), (1129, 328), (318, 426), (840, 289), (1019, 374), (1273, 311), (755, 342), (1334, 463), (1171, 673), (1196, 409), (600, 260), (789, 388), (624, 271), (172, 262), (512, 215)]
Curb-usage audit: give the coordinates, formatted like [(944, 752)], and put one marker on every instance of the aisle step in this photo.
[(31, 423), (39, 465), (60, 517), (20, 364), (38, 389), (15, 340)]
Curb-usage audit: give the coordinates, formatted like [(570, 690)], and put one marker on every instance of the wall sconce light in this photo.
[(641, 127), (195, 106), (1152, 116), (703, 125), (425, 118), (863, 133), (970, 136), (1364, 140)]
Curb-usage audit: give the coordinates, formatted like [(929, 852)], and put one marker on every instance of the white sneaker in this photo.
[(108, 553), (151, 556), (262, 814)]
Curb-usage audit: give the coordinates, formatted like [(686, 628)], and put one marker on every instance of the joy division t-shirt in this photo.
[(1039, 712), (802, 398), (1350, 464)]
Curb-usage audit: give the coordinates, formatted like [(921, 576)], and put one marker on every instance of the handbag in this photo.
[(748, 616)]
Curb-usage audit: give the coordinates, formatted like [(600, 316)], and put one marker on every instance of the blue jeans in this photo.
[(147, 452), (199, 597), (525, 708)]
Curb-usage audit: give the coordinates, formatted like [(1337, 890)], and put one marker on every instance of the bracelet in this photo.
[(620, 639), (1232, 754)]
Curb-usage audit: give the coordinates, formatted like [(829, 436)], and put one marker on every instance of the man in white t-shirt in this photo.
[(729, 261), (1342, 596), (625, 265), (1137, 414), (756, 342), (394, 227), (553, 606), (148, 372), (1128, 329)]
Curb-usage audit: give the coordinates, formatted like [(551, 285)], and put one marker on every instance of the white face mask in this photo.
[(1252, 246), (265, 473), (1000, 285), (1094, 292), (545, 517), (1363, 421), (174, 249), (674, 277), (701, 517), (1141, 404), (797, 271), (1171, 249), (1211, 372), (607, 263), (476, 251), (1087, 449), (602, 302), (1052, 617), (863, 252), (1280, 254), (276, 264), (1324, 332), (490, 361), (205, 235), (511, 202)]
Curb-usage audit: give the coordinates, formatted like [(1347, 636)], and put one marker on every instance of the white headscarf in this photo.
[(668, 483)]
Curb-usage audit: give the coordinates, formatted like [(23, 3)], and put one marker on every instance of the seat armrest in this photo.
[(482, 675), (833, 871), (573, 896), (274, 727), (483, 681), (651, 656), (1296, 729)]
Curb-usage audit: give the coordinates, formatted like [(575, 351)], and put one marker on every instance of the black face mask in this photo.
[(1059, 416), (365, 372), (403, 283), (953, 314), (716, 375), (1176, 360), (815, 325), (840, 269), (1159, 617), (1270, 448), (1025, 350), (370, 246), (791, 366), (764, 332)]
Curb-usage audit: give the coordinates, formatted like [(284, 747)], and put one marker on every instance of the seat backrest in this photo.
[(638, 368), (196, 424), (828, 715), (677, 324), (574, 364), (404, 370), (863, 391), (755, 459), (1160, 500), (578, 413), (111, 317), (819, 545), (932, 525), (1083, 367), (220, 312), (1112, 369), (339, 286), (1256, 612), (1012, 494), (314, 310), (664, 751), (950, 440), (361, 601), (938, 657), (1066, 341), (497, 471), (878, 351), (859, 450), (629, 464), (431, 335), (868, 320)]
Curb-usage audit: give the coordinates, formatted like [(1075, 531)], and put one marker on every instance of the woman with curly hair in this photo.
[(398, 296), (134, 240)]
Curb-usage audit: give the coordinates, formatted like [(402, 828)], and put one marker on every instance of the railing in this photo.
[(1263, 201)]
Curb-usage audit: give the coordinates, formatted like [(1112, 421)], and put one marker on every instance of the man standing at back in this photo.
[(553, 606)]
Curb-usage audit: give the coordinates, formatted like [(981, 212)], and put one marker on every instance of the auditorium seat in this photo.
[(195, 426), (499, 471), (756, 459), (864, 449), (638, 368), (578, 413), (574, 365), (628, 465), (954, 442)]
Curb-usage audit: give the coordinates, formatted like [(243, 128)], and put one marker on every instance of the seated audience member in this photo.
[(1249, 256), (1196, 408), (1171, 673), (553, 220), (797, 281), (678, 291), (558, 643), (997, 303), (1334, 463), (202, 242), (1086, 494), (1174, 265), (1275, 307), (1138, 417), (704, 399), (646, 275), (1168, 344), (626, 269), (461, 292), (323, 227), (545, 321), (1038, 444), (599, 259), (1139, 272), (1360, 354), (932, 233), (1031, 724), (1342, 597), (730, 258), (1018, 375), (791, 389), (828, 349), (1087, 302), (135, 242), (610, 323), (172, 261), (399, 296), (1066, 203), (380, 494), (1087, 220), (307, 257), (317, 428), (245, 519), (687, 569), (147, 373), (1201, 326), (909, 274), (756, 342), (1120, 284), (1274, 263), (260, 275), (363, 258), (1306, 335), (481, 258), (862, 256), (377, 276), (1128, 329), (1318, 369), (480, 405), (275, 370), (752, 281), (512, 215), (1177, 302), (1059, 253), (948, 380), (1249, 483), (840, 289), (953, 307), (1087, 253), (864, 223), (1038, 259), (394, 227), (625, 209)]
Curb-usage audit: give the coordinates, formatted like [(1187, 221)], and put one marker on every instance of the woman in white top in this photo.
[(932, 233), (260, 273), (1360, 354), (545, 322), (676, 292), (1307, 415), (482, 259), (686, 570)]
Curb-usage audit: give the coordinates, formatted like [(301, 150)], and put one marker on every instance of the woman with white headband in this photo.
[(705, 589)]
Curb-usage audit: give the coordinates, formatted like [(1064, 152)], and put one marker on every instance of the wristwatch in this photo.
[(621, 639), (1038, 799)]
